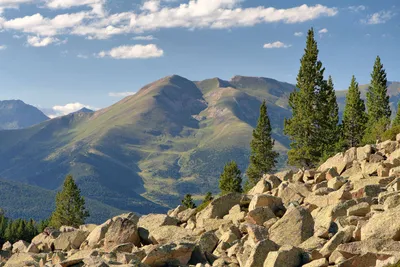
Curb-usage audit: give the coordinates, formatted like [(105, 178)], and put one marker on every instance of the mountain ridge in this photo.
[(146, 151)]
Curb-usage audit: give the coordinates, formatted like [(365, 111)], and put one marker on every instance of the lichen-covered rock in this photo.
[(220, 207), (295, 227), (287, 256), (121, 230), (169, 255), (149, 223), (70, 240)]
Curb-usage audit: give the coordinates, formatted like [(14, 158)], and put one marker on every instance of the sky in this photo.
[(62, 55)]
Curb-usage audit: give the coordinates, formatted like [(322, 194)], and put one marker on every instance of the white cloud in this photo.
[(96, 5), (57, 111), (379, 17), (277, 44), (131, 52), (144, 38), (323, 31), (357, 8), (298, 34), (193, 14), (37, 24), (3, 47), (151, 5), (37, 41), (121, 94)]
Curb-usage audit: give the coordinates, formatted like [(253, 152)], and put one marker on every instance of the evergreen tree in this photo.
[(208, 197), (377, 96), (263, 157), (306, 128), (354, 116), (378, 106), (70, 206), (187, 201), (328, 119), (231, 179), (396, 121)]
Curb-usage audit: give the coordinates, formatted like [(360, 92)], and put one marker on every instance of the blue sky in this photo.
[(65, 54)]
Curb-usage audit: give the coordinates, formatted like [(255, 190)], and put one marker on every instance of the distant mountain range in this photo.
[(15, 114), (145, 152)]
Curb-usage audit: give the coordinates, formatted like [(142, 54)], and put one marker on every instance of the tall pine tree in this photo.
[(378, 106), (328, 121), (396, 121), (70, 206), (312, 104), (354, 116), (263, 157), (231, 179), (377, 96)]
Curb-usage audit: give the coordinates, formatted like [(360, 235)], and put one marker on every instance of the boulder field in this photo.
[(345, 213)]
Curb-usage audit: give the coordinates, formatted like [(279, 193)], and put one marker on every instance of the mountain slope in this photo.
[(15, 114), (143, 153), (25, 201)]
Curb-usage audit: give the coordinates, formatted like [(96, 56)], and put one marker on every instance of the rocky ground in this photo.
[(345, 213)]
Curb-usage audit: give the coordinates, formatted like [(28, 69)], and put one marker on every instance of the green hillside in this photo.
[(26, 201), (143, 153)]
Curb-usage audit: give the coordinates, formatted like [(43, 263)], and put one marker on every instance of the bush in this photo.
[(391, 133)]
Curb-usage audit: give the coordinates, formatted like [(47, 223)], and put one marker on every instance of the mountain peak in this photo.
[(84, 110)]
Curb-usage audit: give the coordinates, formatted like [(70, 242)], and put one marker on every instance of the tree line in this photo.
[(315, 130), (70, 211)]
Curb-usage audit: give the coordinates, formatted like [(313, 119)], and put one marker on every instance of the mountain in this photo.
[(393, 92), (26, 201), (15, 114), (84, 110), (145, 152)]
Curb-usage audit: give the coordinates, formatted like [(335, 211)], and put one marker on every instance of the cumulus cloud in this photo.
[(37, 41), (298, 34), (121, 94), (132, 52), (277, 44), (62, 110), (37, 24), (212, 14), (379, 17), (151, 5), (144, 38)]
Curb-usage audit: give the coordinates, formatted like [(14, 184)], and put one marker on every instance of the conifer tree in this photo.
[(187, 201), (378, 106), (396, 121), (377, 96), (231, 179), (208, 197), (328, 121), (354, 116), (70, 206), (305, 128), (262, 157)]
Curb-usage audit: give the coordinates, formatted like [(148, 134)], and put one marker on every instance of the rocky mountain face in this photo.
[(15, 114), (345, 213)]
